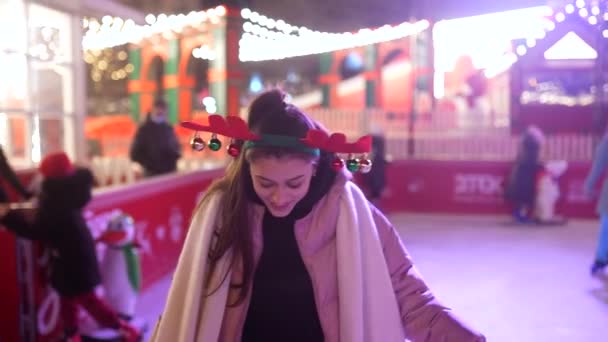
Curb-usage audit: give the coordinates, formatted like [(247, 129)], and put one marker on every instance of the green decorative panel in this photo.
[(172, 98), (135, 59), (218, 91), (135, 99), (370, 93), (174, 55), (326, 60), (371, 56), (325, 95)]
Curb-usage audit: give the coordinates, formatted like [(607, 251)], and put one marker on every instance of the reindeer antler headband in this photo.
[(236, 129)]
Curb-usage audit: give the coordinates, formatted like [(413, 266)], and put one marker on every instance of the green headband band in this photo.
[(271, 140)]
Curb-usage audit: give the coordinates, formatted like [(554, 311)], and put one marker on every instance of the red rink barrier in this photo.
[(9, 290), (471, 187)]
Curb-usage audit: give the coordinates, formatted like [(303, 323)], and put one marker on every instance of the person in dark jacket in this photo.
[(376, 178), (521, 185), (11, 178), (156, 147), (59, 224)]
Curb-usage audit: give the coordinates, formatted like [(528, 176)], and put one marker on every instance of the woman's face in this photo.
[(281, 182)]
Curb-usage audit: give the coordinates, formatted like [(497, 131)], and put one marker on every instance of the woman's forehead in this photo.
[(283, 168)]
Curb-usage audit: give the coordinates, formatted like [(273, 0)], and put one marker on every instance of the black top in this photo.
[(60, 225), (282, 306)]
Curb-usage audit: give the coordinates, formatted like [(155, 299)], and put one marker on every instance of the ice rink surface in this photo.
[(514, 283)]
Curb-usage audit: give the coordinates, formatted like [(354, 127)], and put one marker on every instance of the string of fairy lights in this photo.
[(264, 38), (111, 62), (115, 31), (591, 11), (105, 41)]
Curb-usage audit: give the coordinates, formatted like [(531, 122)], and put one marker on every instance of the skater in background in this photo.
[(375, 179), (598, 170), (520, 189), (60, 225), (156, 147)]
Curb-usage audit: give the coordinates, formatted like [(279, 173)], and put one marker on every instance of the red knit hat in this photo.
[(56, 165)]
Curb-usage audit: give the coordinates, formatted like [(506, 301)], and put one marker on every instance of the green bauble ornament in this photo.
[(352, 165), (215, 144)]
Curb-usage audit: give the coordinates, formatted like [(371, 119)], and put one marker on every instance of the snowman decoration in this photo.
[(120, 266)]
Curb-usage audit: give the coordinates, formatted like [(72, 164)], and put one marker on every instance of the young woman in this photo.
[(285, 248)]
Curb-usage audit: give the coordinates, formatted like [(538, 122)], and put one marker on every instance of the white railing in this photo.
[(112, 171), (437, 137), (441, 136), (489, 147)]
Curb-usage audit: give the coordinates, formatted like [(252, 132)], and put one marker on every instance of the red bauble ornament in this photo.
[(337, 164), (234, 150)]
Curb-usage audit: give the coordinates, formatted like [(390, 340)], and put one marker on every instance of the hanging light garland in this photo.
[(114, 31), (587, 10), (270, 39), (265, 38), (590, 11)]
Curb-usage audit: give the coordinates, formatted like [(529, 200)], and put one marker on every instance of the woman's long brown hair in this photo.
[(268, 114)]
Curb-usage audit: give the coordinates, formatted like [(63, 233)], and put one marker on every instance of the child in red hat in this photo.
[(59, 223)]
